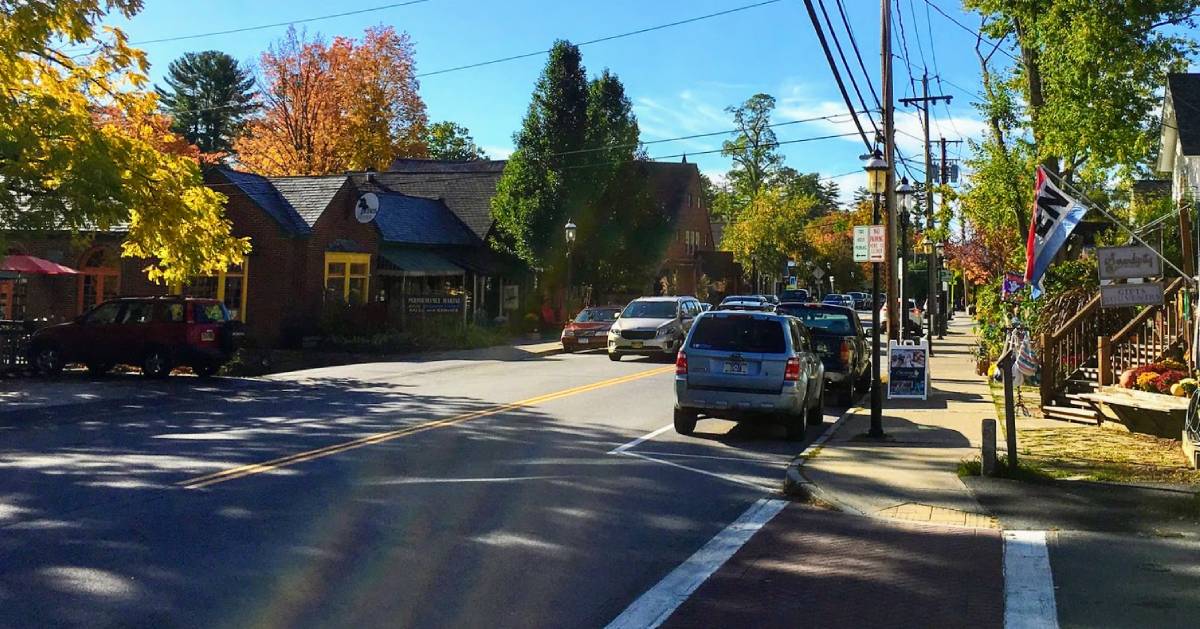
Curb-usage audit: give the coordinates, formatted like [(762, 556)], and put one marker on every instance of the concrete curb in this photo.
[(796, 484)]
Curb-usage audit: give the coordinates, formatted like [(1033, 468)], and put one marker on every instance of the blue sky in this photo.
[(680, 79)]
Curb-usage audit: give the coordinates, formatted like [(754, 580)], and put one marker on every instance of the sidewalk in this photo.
[(912, 474)]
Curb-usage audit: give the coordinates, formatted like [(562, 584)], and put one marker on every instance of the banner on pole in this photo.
[(1055, 216)]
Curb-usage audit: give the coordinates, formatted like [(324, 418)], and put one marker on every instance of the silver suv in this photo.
[(652, 326), (749, 365)]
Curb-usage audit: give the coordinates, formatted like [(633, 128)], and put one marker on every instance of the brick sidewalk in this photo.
[(814, 568)]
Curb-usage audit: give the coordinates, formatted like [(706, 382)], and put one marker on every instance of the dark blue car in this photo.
[(838, 338)]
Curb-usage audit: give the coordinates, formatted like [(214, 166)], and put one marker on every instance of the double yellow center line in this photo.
[(242, 471)]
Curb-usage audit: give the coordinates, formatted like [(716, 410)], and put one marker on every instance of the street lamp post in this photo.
[(907, 201), (877, 172), (942, 308), (569, 232)]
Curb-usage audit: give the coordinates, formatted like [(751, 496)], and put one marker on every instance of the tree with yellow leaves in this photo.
[(82, 147), (328, 108)]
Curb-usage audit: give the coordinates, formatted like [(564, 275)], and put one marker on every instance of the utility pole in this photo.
[(889, 140), (931, 310), (945, 179)]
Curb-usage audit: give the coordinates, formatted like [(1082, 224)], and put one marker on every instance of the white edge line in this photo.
[(1028, 582), (653, 607), (697, 470), (636, 442)]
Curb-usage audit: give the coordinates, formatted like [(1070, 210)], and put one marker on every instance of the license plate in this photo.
[(637, 345), (737, 368), (208, 335), (584, 339)]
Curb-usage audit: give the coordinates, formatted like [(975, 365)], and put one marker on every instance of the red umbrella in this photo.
[(30, 265)]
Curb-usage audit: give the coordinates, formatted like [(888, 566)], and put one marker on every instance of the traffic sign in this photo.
[(818, 273), (875, 241), (861, 243)]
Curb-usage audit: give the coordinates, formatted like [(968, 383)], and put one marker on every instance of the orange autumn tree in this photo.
[(348, 105)]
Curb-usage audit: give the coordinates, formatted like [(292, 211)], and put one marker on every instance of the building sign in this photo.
[(861, 243), (434, 304), (908, 370), (512, 297), (1118, 295), (367, 207), (875, 241), (1127, 262)]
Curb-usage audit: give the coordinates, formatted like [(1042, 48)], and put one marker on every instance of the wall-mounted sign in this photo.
[(876, 252), (367, 207), (1127, 262), (430, 304), (908, 370), (862, 251), (512, 294), (1144, 294)]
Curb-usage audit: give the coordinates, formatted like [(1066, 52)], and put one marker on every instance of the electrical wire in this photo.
[(969, 29), (846, 65), (858, 54), (816, 23)]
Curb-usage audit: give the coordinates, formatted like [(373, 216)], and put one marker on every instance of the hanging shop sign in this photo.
[(1116, 263), (1119, 295), (367, 207), (908, 369)]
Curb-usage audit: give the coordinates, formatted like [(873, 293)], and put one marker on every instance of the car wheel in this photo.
[(205, 370), (613, 356), (795, 427), (156, 363), (815, 414), (99, 369), (685, 421), (49, 360)]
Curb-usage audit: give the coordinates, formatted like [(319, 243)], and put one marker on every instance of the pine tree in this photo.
[(209, 96)]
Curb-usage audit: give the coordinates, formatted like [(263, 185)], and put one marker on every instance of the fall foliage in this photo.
[(346, 105)]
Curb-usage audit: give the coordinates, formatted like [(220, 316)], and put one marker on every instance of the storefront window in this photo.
[(99, 278), (347, 277), (228, 286)]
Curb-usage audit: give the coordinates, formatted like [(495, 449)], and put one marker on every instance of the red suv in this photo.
[(154, 333)]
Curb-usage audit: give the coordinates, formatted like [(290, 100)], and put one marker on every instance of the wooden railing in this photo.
[(1068, 348), (1146, 338)]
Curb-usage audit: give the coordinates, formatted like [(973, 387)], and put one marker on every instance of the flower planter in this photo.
[(1139, 411)]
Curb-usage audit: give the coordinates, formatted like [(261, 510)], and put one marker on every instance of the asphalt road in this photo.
[(458, 493)]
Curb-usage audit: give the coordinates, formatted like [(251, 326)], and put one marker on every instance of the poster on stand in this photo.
[(908, 370)]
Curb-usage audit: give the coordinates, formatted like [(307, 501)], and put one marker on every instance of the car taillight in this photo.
[(791, 373), (681, 364), (846, 351)]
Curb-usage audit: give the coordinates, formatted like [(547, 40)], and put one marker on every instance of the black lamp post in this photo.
[(877, 172), (569, 231), (904, 193)]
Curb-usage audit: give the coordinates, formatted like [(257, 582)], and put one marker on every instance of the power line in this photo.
[(599, 40), (816, 23), (246, 29), (969, 29), (858, 53), (845, 64)]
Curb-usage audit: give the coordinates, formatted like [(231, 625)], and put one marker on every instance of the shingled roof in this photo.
[(466, 188), (260, 190), (1184, 91), (309, 195), (405, 219)]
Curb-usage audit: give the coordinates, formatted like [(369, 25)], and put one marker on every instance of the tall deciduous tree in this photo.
[(451, 141), (208, 95), (82, 147), (754, 151), (348, 105)]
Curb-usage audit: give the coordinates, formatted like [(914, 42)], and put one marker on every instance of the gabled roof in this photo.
[(260, 190), (404, 219), (1184, 92), (309, 195), (466, 188)]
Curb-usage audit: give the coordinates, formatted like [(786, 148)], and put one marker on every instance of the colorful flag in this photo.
[(1012, 285), (1055, 216)]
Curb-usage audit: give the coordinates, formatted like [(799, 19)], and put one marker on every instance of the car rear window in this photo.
[(211, 313), (739, 334), (821, 319)]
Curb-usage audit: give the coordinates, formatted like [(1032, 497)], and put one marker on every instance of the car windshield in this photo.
[(833, 298), (595, 315), (821, 319), (739, 334), (650, 310)]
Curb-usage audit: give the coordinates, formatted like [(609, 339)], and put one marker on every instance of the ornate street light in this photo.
[(569, 232), (908, 202), (877, 171)]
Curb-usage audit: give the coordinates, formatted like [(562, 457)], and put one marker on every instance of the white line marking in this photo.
[(639, 440), (1028, 583), (660, 601), (739, 459), (731, 479)]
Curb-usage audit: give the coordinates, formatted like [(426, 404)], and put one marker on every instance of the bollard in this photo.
[(989, 447), (1010, 414)]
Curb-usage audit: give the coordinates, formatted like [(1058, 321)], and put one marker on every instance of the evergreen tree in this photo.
[(209, 96)]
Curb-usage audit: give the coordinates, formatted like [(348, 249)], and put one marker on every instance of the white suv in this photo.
[(652, 326)]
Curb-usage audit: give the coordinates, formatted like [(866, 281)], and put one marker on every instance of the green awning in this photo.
[(416, 262)]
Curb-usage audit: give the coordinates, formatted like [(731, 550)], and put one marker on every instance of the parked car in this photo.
[(741, 298), (862, 301), (794, 295), (915, 317), (840, 340), (652, 326), (747, 304), (589, 329), (836, 299), (705, 306), (749, 366), (154, 333), (771, 298)]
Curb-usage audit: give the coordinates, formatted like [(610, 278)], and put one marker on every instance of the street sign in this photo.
[(945, 276), (1127, 262), (862, 251), (818, 273), (1144, 294), (875, 240)]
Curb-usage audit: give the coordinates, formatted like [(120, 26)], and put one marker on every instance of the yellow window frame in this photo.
[(350, 259), (244, 273)]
